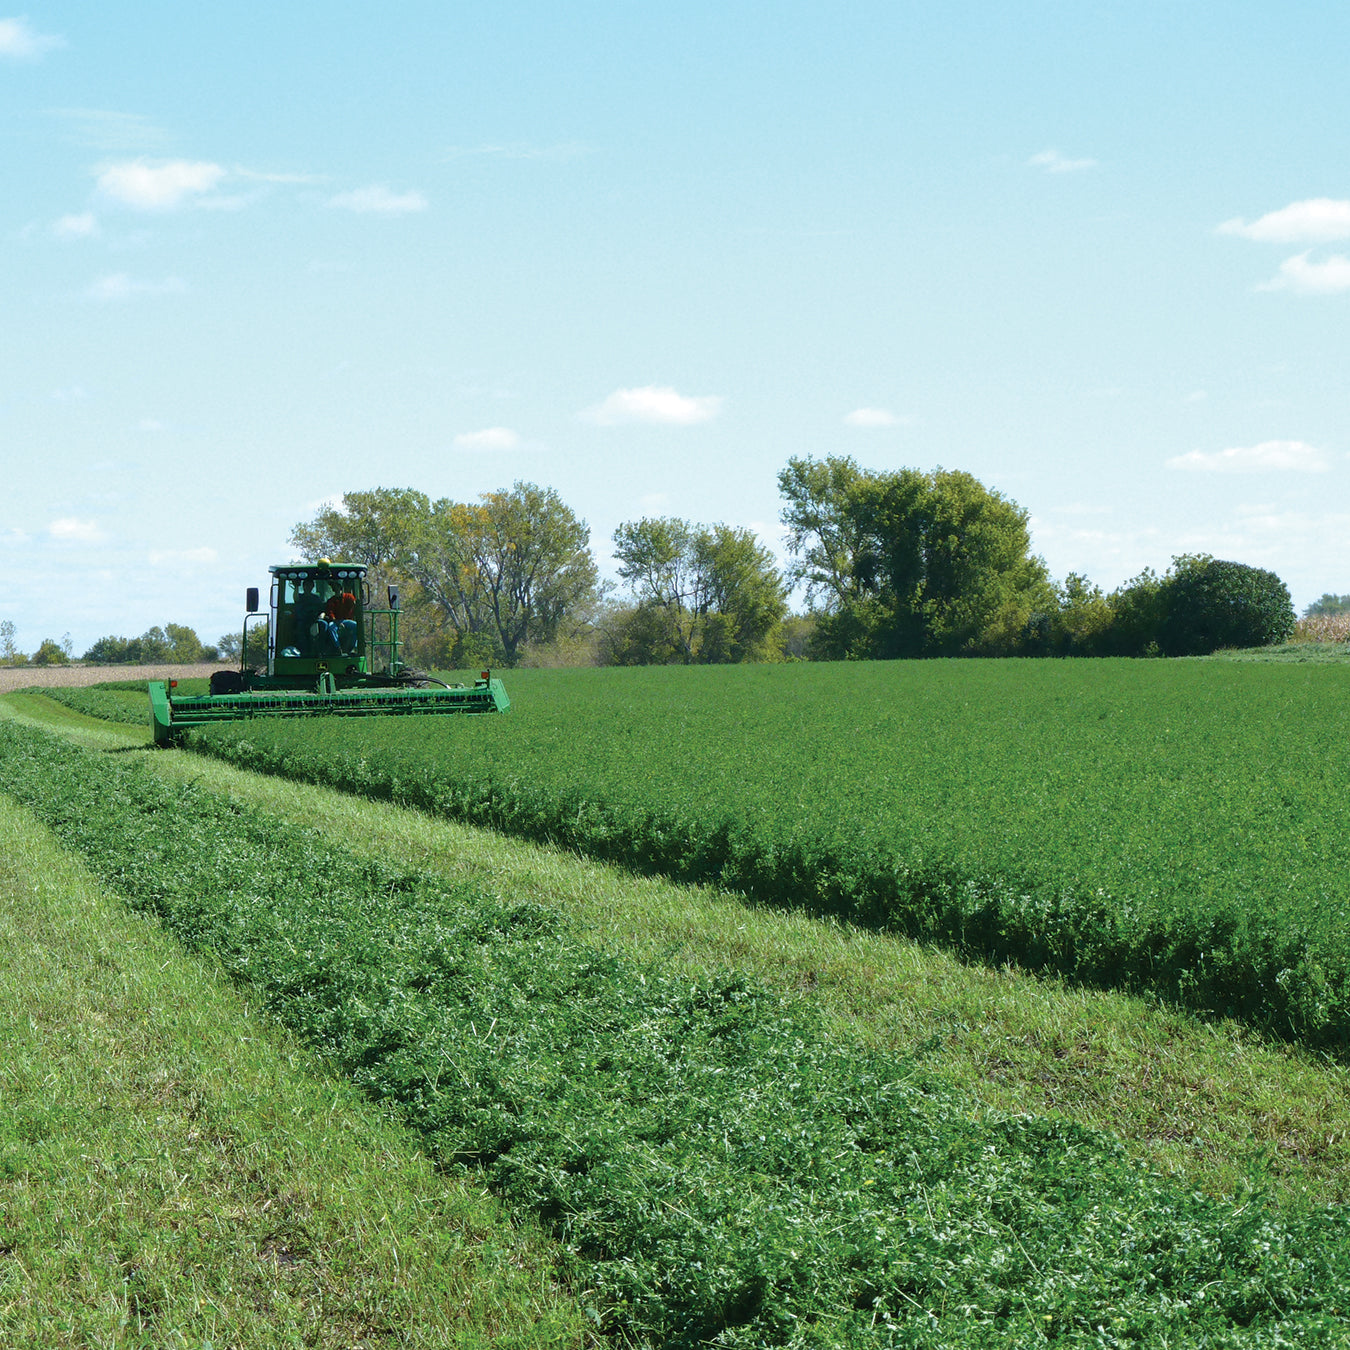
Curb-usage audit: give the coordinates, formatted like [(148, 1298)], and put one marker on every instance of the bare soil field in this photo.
[(24, 677)]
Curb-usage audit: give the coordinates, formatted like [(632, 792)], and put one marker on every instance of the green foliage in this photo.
[(228, 648), (718, 1169), (185, 647), (10, 655), (1168, 827), (1328, 606), (174, 644), (1081, 620), (1209, 603), (1202, 604), (707, 594), (479, 582), (50, 653), (909, 563)]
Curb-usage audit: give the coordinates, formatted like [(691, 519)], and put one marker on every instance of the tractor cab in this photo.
[(318, 620)]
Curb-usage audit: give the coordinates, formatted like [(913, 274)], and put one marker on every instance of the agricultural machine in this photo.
[(330, 653)]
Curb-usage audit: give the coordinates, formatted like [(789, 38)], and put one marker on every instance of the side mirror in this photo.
[(251, 600), (393, 597)]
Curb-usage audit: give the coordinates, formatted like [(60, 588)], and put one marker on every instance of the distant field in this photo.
[(60, 677), (1175, 826)]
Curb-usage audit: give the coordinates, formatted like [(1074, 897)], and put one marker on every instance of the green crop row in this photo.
[(718, 1170), (1174, 827), (122, 702)]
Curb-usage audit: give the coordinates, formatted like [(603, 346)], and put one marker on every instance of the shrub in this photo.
[(1209, 603), (50, 653)]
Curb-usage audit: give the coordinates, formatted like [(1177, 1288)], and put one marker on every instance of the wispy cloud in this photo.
[(1051, 161), (872, 417), (19, 41), (69, 529), (489, 438), (111, 132), (1314, 221), (654, 404), (1265, 457), (378, 200), (147, 186), (119, 286), (81, 226), (261, 176), (1305, 277)]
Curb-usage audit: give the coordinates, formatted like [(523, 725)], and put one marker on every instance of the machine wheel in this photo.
[(226, 682)]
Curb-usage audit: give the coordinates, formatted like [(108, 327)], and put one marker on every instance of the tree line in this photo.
[(895, 563), (900, 563)]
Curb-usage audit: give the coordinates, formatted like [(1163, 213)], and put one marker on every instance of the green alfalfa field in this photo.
[(781, 1122)]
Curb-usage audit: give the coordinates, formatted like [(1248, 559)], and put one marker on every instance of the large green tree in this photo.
[(495, 576), (907, 563), (703, 593)]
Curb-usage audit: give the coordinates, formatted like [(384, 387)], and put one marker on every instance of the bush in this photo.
[(1209, 603), (110, 651), (50, 653)]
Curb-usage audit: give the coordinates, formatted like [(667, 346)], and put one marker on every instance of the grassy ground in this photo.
[(173, 1173), (1202, 1100), (1287, 651)]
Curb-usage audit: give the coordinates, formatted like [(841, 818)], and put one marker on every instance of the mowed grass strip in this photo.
[(1201, 1100), (715, 1164), (175, 1171), (1198, 1098)]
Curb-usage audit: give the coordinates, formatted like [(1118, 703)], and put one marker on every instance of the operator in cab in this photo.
[(339, 622)]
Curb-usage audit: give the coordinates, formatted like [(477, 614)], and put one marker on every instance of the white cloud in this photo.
[(1053, 162), (157, 187), (490, 438), (1316, 220), (378, 200), (75, 531), (871, 417), (12, 538), (656, 404), (119, 286), (1266, 457), (1303, 277), (20, 42), (81, 226), (183, 557), (150, 424)]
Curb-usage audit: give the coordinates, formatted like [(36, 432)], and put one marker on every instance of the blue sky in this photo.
[(258, 255)]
